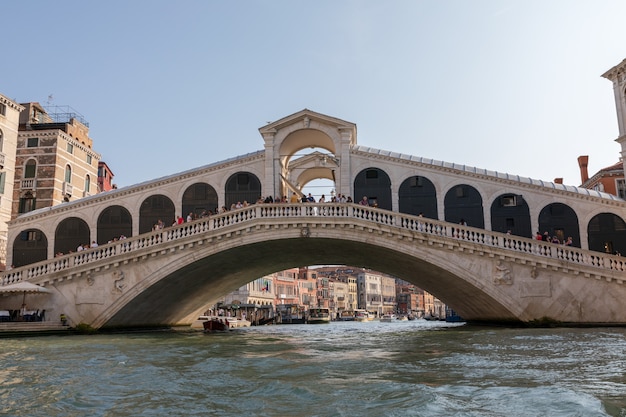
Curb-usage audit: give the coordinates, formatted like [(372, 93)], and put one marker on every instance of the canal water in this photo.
[(414, 368)]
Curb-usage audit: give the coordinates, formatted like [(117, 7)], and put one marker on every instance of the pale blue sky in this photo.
[(510, 86)]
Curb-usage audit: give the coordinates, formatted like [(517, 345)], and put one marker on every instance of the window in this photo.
[(1, 140), (89, 159), (70, 148), (68, 174), (417, 182), (371, 174), (30, 169), (87, 183), (3, 109), (3, 177), (32, 143), (508, 201), (27, 204), (621, 188)]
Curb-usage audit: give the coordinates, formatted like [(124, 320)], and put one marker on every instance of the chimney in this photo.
[(558, 180), (582, 163)]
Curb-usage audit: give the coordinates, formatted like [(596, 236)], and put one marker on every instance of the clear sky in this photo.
[(166, 86)]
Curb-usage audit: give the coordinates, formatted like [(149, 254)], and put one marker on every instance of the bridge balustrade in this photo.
[(312, 211)]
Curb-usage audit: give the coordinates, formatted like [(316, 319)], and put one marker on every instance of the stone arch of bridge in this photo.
[(178, 290)]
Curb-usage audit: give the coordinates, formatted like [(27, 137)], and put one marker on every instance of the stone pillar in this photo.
[(343, 182), (617, 75), (272, 165)]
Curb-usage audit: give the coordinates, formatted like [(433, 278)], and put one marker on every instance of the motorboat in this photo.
[(216, 325), (290, 314), (233, 322), (318, 315), (361, 315), (403, 318), (346, 315), (388, 318)]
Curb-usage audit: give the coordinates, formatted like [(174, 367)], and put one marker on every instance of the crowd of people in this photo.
[(545, 237)]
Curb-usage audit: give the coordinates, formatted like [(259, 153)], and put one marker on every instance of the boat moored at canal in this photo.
[(231, 322), (318, 315), (363, 315), (388, 318)]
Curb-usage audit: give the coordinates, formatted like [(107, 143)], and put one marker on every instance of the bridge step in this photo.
[(21, 328)]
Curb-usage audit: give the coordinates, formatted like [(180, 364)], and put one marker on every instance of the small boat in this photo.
[(318, 315), (216, 325), (233, 322), (388, 318), (290, 314), (361, 315), (403, 318), (346, 315)]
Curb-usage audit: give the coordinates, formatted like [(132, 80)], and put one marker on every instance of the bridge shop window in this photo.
[(30, 246), (607, 233), (155, 208), (114, 222), (464, 203), (510, 212), (375, 184), (417, 195), (558, 217), (71, 233), (199, 198), (240, 187)]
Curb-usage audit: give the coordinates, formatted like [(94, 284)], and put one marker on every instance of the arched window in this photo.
[(417, 195), (242, 186), (87, 183), (30, 169), (68, 174), (373, 183), (464, 204)]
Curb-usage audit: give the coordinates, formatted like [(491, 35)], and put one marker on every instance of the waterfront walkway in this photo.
[(15, 328)]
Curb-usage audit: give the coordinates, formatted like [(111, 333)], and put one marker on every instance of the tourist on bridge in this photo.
[(364, 201)]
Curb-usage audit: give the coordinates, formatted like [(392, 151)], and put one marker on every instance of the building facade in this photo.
[(9, 127), (55, 162)]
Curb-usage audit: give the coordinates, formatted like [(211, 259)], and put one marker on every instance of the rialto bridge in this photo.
[(411, 230)]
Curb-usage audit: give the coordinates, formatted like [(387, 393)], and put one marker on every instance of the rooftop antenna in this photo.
[(50, 99)]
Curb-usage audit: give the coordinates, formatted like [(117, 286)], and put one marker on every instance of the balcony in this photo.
[(67, 189), (29, 184)]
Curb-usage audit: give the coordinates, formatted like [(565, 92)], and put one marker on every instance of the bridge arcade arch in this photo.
[(560, 220), (30, 246), (71, 233), (464, 203), (376, 185), (113, 222), (607, 233), (153, 209), (417, 195), (240, 187), (510, 212), (198, 198)]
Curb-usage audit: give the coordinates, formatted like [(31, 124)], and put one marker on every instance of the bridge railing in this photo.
[(316, 211)]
